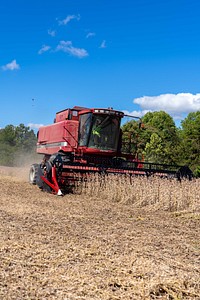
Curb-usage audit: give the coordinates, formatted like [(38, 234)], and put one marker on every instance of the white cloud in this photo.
[(103, 44), (44, 48), (34, 126), (66, 46), (11, 66), (174, 104), (90, 34), (52, 32), (68, 19), (136, 113)]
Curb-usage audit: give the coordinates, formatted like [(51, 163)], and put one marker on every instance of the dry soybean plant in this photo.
[(139, 191)]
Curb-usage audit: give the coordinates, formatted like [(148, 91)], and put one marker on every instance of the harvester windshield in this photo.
[(100, 131)]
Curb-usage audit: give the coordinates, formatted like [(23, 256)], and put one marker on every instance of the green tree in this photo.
[(161, 124), (25, 138), (16, 142), (190, 140), (7, 135), (154, 149), (165, 137), (132, 139)]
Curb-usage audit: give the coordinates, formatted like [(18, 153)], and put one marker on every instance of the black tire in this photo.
[(33, 173)]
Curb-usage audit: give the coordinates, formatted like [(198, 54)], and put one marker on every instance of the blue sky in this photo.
[(132, 55)]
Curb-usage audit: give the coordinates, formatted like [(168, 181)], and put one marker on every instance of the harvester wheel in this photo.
[(33, 173)]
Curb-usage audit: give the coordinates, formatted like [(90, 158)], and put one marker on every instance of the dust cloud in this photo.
[(21, 166)]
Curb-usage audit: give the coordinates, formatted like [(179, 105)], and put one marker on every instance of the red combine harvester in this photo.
[(83, 141)]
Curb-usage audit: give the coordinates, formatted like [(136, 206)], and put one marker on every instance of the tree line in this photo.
[(17, 145), (159, 140)]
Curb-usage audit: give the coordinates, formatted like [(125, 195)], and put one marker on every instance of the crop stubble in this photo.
[(112, 241)]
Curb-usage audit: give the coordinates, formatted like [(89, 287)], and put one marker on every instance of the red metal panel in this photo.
[(51, 133), (62, 115), (58, 136), (71, 133)]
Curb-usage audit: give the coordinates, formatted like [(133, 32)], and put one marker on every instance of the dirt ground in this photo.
[(74, 247)]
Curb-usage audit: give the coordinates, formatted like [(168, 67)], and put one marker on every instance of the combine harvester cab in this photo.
[(82, 141)]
